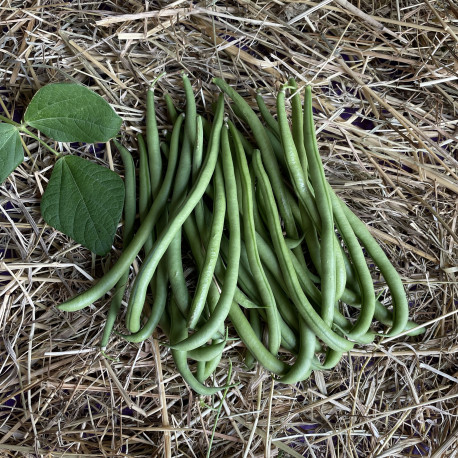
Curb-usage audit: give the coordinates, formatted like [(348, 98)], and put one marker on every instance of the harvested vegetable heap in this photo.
[(266, 232)]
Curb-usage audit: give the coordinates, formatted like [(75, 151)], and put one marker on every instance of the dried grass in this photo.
[(385, 76)]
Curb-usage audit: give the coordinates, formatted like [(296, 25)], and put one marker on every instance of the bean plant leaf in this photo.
[(69, 112), (84, 201), (11, 152)]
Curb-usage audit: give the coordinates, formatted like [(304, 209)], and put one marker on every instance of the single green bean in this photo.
[(152, 141), (297, 127), (190, 110), (130, 204), (212, 250), (171, 110), (301, 368), (267, 116), (173, 253), (145, 182)]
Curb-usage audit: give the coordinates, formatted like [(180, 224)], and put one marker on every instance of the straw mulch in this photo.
[(385, 79)]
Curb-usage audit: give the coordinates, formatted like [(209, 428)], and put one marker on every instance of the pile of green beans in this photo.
[(274, 251)]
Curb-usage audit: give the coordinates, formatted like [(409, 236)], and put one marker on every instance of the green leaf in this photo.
[(11, 152), (72, 113), (84, 201)]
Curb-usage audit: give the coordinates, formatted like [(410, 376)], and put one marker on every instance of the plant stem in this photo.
[(10, 121), (22, 128)]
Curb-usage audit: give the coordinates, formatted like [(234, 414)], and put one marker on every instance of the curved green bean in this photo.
[(178, 332), (127, 257), (212, 250), (130, 205)]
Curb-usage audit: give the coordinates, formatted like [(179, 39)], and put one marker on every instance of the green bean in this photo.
[(190, 110), (364, 278), (256, 325), (207, 352), (257, 271), (293, 243), (130, 205), (298, 125), (183, 177), (171, 110), (258, 223), (127, 257), (252, 342), (312, 319), (210, 366), (152, 141), (173, 253), (277, 148), (392, 278), (196, 164), (165, 149), (178, 327), (177, 219), (221, 310), (212, 250), (322, 198), (198, 149), (165, 322), (267, 116), (200, 371), (243, 300), (301, 367), (145, 182), (193, 237)]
